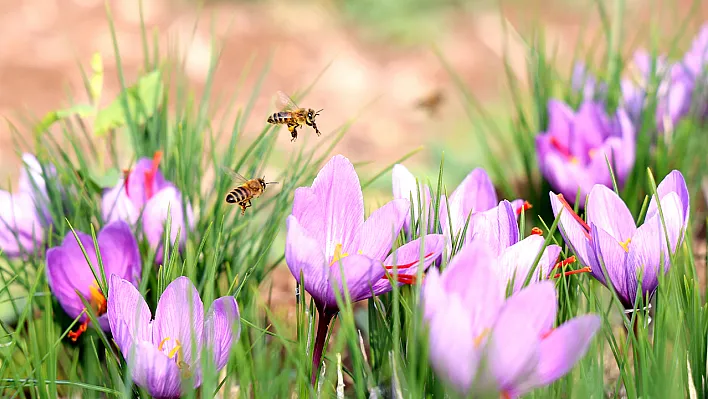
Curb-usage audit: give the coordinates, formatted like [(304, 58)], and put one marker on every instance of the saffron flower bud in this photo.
[(68, 274), (160, 351), (572, 151), (610, 237)]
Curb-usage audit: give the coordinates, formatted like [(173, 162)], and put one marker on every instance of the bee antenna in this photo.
[(272, 182), (318, 112)]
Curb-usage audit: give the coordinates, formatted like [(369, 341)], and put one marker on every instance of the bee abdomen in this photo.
[(279, 117), (236, 195)]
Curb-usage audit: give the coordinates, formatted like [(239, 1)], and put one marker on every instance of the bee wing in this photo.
[(235, 176), (283, 102)]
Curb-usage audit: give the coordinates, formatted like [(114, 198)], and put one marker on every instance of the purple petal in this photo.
[(517, 205), (497, 227), (607, 210), (128, 314), (575, 235), (537, 304), (360, 272), (221, 327), (560, 119), (31, 176), (303, 254), (433, 244), (172, 317), (673, 182), (119, 251), (476, 193), (154, 371), (451, 345), (155, 217), (516, 261), (406, 187), (614, 258), (137, 184), (382, 228), (564, 347), (18, 217), (115, 205), (332, 210)]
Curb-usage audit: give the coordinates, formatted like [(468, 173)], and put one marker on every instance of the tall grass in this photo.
[(376, 349)]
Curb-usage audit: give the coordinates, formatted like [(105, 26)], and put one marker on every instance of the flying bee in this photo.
[(292, 115), (431, 102), (248, 190)]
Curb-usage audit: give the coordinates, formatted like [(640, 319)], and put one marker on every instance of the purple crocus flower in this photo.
[(145, 190), (673, 92), (68, 272), (572, 151), (610, 236), (159, 351), (582, 81), (24, 214), (694, 65), (328, 237), (507, 346), (406, 187)]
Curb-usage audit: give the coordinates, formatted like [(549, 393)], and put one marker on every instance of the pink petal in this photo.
[(517, 260), (304, 256), (607, 210), (128, 314), (382, 228)]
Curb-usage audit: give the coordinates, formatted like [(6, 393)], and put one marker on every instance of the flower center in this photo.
[(403, 278), (98, 303), (625, 244), (338, 254), (563, 150), (175, 352), (149, 175)]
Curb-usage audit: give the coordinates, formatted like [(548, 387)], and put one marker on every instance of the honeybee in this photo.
[(431, 102), (249, 189), (292, 115)]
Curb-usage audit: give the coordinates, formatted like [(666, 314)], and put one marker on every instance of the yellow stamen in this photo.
[(97, 299), (625, 244), (478, 339), (338, 254), (574, 160), (174, 352)]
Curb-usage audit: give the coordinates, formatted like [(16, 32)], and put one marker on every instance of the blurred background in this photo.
[(376, 58)]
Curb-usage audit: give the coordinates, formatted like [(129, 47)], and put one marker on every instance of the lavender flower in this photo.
[(572, 151), (694, 65), (68, 272), (24, 215), (610, 236), (328, 240), (145, 190), (159, 351), (507, 346)]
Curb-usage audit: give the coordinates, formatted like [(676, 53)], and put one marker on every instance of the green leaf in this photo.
[(143, 98)]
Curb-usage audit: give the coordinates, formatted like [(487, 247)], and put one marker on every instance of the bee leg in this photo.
[(293, 132), (243, 208), (314, 125)]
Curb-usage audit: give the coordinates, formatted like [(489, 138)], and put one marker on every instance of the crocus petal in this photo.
[(410, 254), (119, 251), (574, 234), (382, 228), (115, 205), (155, 217), (172, 317), (21, 229), (31, 175), (67, 268), (456, 363), (497, 227), (476, 193), (154, 371), (673, 182), (128, 314), (406, 187), (607, 210), (613, 257), (221, 327), (360, 272), (537, 303), (332, 209), (138, 187), (516, 261), (565, 346), (61, 284), (304, 255)]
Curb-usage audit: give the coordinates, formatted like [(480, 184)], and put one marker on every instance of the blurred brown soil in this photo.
[(43, 42)]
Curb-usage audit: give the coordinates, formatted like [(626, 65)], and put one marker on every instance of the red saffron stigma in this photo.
[(505, 395), (565, 262), (407, 265), (570, 273), (547, 333), (74, 335), (525, 207), (561, 148), (574, 215), (536, 231), (126, 179), (150, 175)]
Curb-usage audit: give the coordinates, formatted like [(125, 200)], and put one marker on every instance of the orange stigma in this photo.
[(565, 262), (98, 302), (575, 216), (150, 174), (547, 334), (126, 180), (523, 208), (570, 273), (536, 231), (403, 278), (563, 150)]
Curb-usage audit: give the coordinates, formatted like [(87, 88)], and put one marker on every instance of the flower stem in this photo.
[(322, 328)]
